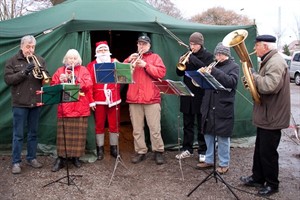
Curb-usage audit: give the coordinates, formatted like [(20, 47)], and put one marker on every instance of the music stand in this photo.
[(57, 94), (208, 82), (177, 88), (118, 73)]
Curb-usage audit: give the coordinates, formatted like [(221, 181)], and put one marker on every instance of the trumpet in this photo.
[(133, 62), (181, 64), (37, 71), (209, 67)]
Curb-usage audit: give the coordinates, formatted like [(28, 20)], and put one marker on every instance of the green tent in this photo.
[(80, 24)]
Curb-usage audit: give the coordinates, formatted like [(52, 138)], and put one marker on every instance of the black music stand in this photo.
[(177, 88), (57, 94), (208, 82), (117, 73)]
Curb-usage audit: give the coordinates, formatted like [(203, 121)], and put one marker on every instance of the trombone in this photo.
[(133, 62)]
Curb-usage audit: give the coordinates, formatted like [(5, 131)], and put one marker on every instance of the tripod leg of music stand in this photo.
[(226, 184), (180, 167), (209, 176)]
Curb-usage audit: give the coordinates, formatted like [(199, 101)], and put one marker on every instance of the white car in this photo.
[(295, 67)]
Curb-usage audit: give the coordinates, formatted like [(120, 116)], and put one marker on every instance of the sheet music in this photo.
[(173, 87), (206, 80)]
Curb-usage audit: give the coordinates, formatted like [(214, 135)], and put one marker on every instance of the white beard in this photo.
[(103, 58)]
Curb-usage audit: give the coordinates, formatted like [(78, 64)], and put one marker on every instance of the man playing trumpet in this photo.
[(18, 74), (190, 105), (144, 100)]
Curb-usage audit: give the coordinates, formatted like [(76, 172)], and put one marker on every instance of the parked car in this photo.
[(295, 67)]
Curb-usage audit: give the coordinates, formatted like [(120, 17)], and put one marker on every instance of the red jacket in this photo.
[(81, 107), (143, 90), (104, 94)]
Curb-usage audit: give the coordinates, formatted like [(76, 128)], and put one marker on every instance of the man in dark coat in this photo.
[(218, 109), (190, 105)]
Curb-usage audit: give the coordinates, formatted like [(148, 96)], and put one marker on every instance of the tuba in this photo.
[(181, 64), (236, 39), (37, 71)]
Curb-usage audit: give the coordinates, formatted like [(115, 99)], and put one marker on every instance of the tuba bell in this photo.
[(37, 71), (181, 64), (236, 40)]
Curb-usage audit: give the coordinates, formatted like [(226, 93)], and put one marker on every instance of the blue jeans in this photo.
[(223, 149), (20, 117)]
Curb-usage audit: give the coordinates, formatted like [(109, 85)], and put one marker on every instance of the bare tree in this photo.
[(220, 16), (167, 7), (10, 9)]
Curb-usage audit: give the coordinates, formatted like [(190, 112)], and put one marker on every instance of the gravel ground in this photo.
[(147, 180)]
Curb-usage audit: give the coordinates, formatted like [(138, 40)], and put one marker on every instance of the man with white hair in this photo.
[(273, 114), (106, 100)]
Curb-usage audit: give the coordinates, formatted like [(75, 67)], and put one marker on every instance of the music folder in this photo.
[(205, 80), (113, 73), (173, 87)]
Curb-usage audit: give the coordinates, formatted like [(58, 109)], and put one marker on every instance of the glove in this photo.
[(245, 83), (29, 68)]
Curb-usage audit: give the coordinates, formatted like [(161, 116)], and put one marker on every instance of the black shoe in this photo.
[(159, 159), (138, 158), (59, 163), (76, 162), (100, 152), (249, 181), (267, 191), (114, 150)]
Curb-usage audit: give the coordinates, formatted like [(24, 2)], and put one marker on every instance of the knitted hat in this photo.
[(220, 48), (102, 44), (197, 38)]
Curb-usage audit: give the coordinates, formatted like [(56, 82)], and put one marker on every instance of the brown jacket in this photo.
[(273, 85)]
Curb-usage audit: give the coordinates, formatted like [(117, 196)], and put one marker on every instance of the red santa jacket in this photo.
[(143, 90), (81, 107), (104, 94)]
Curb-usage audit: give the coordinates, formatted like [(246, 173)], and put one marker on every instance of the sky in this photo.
[(269, 15)]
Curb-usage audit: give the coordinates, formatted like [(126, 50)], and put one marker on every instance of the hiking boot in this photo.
[(16, 168), (184, 154), (34, 163), (114, 151), (100, 152), (76, 162), (59, 163), (138, 158), (159, 159)]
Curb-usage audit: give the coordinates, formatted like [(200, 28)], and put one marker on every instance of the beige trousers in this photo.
[(152, 113)]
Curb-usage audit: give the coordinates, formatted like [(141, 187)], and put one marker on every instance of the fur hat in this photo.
[(102, 44), (197, 38), (220, 48)]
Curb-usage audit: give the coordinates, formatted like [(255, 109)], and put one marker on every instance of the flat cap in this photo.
[(265, 38), (144, 38)]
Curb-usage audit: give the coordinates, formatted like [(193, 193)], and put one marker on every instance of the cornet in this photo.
[(37, 71), (133, 62), (181, 64)]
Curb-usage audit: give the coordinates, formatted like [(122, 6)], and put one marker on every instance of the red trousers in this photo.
[(113, 116)]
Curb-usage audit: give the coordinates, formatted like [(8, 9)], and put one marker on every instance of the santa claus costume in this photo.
[(106, 100)]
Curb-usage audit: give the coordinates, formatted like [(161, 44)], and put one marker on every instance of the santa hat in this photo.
[(102, 44)]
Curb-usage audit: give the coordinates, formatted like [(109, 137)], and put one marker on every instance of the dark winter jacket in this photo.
[(189, 104), (220, 121), (23, 87)]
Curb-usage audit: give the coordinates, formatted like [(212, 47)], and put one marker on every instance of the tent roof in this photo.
[(79, 15)]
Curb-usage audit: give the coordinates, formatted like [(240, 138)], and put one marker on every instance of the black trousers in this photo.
[(188, 130), (265, 160)]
